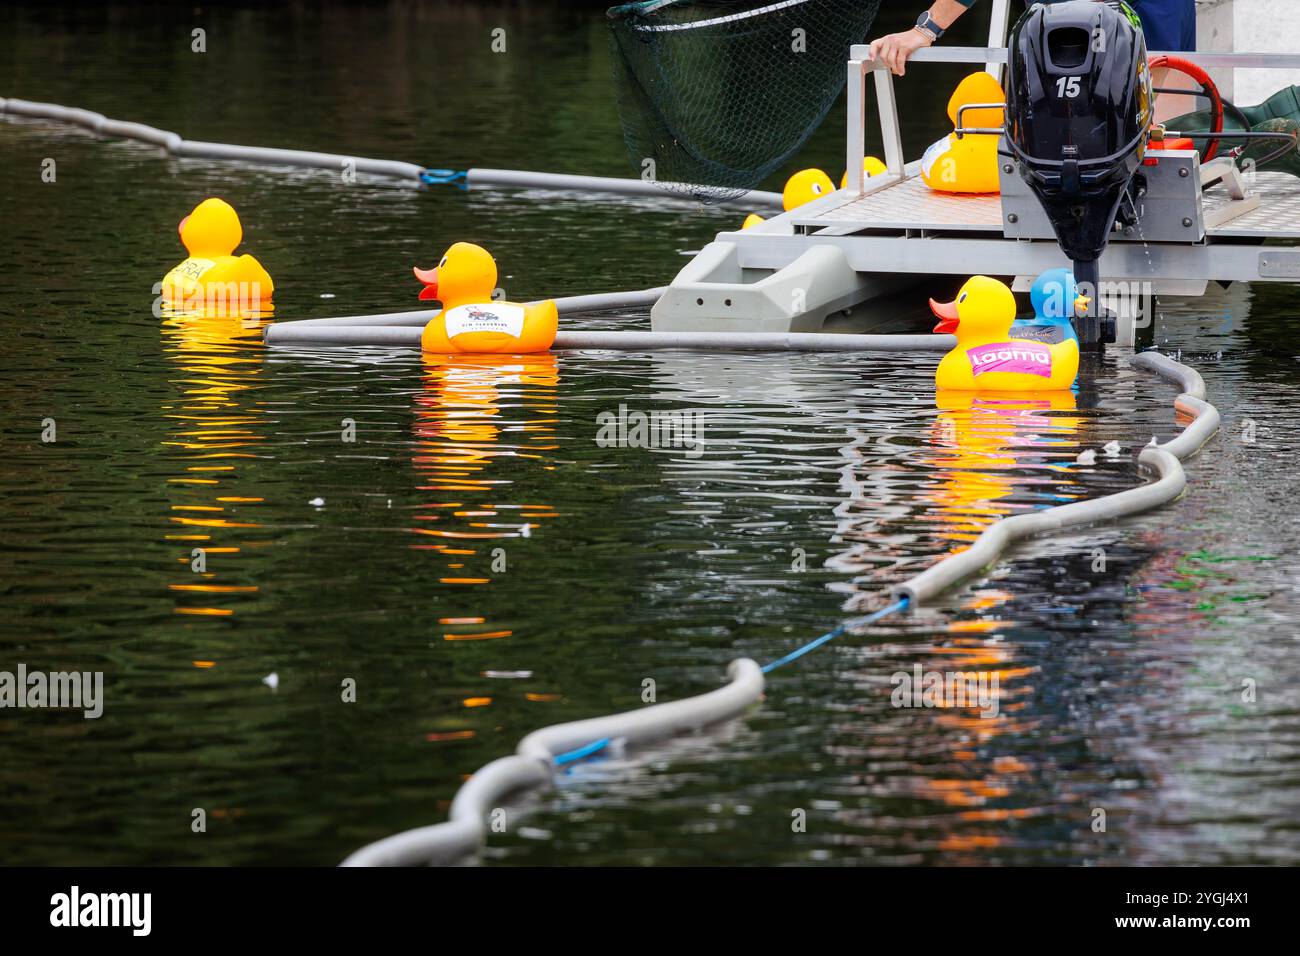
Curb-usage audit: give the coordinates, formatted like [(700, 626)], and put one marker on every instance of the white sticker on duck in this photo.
[(1024, 358), (508, 319), (931, 154)]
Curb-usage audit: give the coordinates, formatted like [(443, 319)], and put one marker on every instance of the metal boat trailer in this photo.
[(837, 264)]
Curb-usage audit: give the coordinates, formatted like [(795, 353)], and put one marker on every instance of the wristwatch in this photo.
[(926, 25)]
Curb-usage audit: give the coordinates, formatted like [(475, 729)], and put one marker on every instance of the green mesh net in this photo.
[(715, 95)]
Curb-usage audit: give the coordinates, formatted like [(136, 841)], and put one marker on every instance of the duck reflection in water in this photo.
[(219, 359), (995, 455), (475, 414)]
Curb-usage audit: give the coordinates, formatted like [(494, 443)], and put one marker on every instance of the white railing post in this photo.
[(998, 34), (890, 133), (857, 122)]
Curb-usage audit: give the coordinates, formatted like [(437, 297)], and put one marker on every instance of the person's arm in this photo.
[(897, 47)]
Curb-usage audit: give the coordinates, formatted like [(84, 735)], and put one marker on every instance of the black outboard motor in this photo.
[(1078, 116)]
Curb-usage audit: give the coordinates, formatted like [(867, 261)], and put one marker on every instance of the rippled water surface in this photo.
[(479, 566)]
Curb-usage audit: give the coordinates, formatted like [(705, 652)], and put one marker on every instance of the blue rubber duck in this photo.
[(1055, 298)]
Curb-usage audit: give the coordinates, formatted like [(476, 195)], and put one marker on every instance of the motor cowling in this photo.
[(1078, 115)]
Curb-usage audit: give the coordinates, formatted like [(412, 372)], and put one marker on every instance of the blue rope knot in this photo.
[(443, 177)]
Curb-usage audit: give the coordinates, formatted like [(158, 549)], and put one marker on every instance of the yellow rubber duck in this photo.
[(804, 187), (809, 184), (986, 358), (470, 322), (968, 164), (800, 189), (870, 167), (212, 272)]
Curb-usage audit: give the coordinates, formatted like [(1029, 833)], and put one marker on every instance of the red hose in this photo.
[(1208, 87)]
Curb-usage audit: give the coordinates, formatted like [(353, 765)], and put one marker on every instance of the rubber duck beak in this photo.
[(430, 279), (181, 228), (1081, 305), (947, 314)]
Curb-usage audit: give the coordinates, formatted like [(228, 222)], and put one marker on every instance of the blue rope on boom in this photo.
[(442, 177), (586, 751), (831, 635)]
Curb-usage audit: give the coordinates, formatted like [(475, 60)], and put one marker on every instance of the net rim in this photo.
[(642, 9)]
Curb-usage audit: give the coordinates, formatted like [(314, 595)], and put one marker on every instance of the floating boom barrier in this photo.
[(403, 329), (406, 334), (542, 752), (545, 751), (411, 172)]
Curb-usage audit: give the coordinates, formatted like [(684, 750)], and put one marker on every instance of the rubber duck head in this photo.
[(979, 87), (211, 230), (984, 309), (1056, 298), (805, 186), (466, 274), (870, 167)]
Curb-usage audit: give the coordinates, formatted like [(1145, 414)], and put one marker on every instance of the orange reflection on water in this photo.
[(475, 417), (483, 636), (989, 448), (983, 441), (218, 358), (449, 735)]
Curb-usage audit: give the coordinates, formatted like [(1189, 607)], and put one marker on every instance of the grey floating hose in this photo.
[(1164, 459), (535, 759), (995, 539), (607, 301), (298, 157), (627, 187), (754, 341), (404, 332), (419, 317), (533, 765), (405, 336), (174, 143), (569, 305)]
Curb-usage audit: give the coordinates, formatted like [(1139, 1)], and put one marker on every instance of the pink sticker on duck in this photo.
[(1024, 358)]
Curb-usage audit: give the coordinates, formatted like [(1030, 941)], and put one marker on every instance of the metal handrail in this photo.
[(994, 56), (860, 61), (940, 54), (1209, 60), (962, 129)]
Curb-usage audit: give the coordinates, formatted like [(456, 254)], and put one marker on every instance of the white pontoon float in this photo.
[(825, 265)]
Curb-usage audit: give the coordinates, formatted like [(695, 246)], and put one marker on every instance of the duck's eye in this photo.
[(443, 263), (817, 188), (962, 298)]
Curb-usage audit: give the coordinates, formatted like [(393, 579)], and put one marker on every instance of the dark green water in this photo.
[(1121, 688)]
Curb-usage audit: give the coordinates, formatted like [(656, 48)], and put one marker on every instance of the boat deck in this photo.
[(841, 257), (910, 206)]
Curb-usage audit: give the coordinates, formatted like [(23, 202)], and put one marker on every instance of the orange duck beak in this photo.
[(946, 312), (180, 229), (430, 279)]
